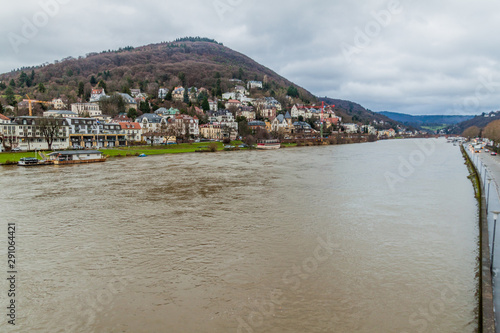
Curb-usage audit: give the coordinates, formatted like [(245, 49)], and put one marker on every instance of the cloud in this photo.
[(423, 58)]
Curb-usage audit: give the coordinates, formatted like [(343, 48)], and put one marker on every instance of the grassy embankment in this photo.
[(12, 158)]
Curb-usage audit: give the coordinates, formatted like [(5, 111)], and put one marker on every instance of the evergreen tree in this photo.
[(9, 96), (169, 95), (144, 107), (218, 88), (292, 91), (132, 113), (186, 96), (41, 88), (205, 105), (12, 83), (93, 80), (102, 85), (81, 89)]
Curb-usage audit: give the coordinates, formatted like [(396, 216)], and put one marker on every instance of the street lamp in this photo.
[(488, 196), (495, 216)]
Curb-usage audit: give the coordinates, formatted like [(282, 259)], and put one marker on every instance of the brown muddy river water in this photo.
[(378, 237)]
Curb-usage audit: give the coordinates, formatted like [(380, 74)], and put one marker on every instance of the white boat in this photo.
[(77, 157), (32, 161), (268, 144), (28, 161)]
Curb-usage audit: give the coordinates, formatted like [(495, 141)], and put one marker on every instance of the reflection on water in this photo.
[(295, 240)]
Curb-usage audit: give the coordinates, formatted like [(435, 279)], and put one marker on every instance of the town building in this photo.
[(58, 104), (60, 113), (162, 93), (132, 131), (211, 131), (254, 85), (86, 109), (97, 94), (31, 133)]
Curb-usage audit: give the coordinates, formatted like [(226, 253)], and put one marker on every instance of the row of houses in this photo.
[(30, 133)]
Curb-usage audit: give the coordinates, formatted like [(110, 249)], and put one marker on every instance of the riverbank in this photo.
[(486, 309), (11, 158)]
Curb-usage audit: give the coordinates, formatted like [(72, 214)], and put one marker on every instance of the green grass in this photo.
[(289, 144), (124, 151), (158, 150), (434, 128), (15, 157)]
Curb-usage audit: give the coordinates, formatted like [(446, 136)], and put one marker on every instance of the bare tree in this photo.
[(49, 128)]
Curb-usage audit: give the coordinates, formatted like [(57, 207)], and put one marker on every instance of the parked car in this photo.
[(16, 149), (493, 153), (487, 150)]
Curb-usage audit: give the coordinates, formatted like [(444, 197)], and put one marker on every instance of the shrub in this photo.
[(213, 147)]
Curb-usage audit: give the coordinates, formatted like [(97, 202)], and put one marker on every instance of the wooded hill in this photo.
[(479, 121), (191, 62), (354, 113), (425, 120)]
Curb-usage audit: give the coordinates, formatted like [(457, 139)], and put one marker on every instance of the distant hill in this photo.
[(192, 62), (429, 121), (354, 113), (480, 121)]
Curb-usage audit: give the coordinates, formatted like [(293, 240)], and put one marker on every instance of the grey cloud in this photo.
[(431, 57)]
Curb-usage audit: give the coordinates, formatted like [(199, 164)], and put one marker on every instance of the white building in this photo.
[(27, 133), (60, 113), (162, 93), (254, 85), (90, 109)]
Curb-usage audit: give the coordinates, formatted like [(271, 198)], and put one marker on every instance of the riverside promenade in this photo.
[(488, 168)]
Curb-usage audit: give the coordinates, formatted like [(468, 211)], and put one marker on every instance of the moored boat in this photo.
[(268, 144), (77, 157), (28, 161), (32, 161)]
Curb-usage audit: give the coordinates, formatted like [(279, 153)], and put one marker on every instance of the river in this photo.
[(376, 237)]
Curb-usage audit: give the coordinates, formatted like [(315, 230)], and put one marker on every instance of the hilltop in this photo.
[(198, 62)]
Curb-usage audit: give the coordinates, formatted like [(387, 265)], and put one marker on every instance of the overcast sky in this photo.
[(417, 57)]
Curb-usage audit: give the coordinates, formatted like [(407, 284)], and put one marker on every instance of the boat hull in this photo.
[(56, 162), (269, 146)]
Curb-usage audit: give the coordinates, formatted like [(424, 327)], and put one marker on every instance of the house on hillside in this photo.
[(170, 113), (233, 103), (97, 94), (214, 104), (58, 104), (254, 85), (178, 94), (130, 102), (135, 92), (90, 109), (162, 93)]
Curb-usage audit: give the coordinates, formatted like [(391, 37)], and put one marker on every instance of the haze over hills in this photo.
[(191, 62), (425, 120)]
